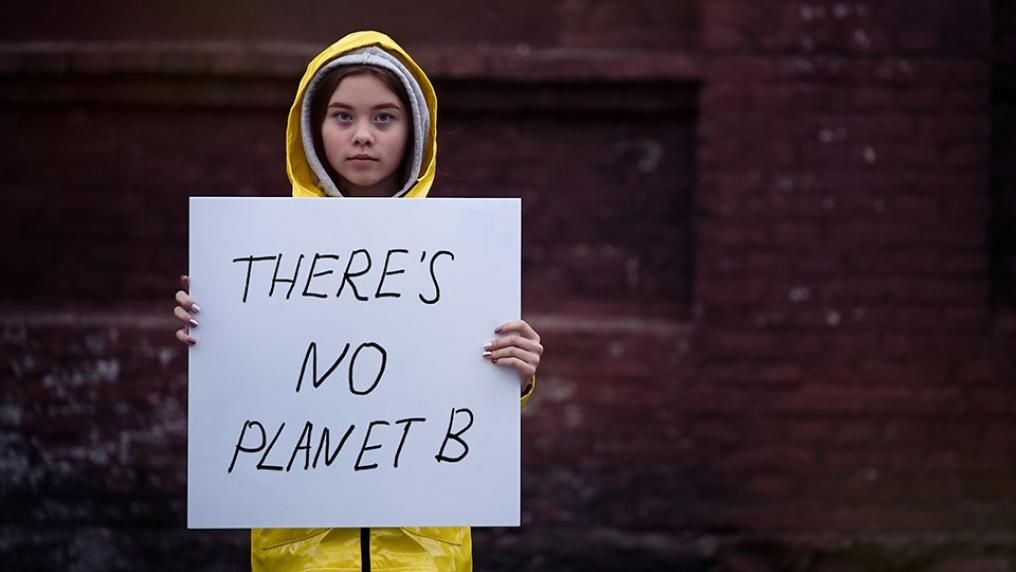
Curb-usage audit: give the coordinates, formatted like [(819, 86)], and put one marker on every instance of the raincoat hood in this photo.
[(304, 167)]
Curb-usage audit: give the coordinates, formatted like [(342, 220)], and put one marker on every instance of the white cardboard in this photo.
[(249, 355)]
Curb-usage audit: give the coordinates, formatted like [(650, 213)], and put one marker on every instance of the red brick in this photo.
[(94, 61), (953, 71), (721, 38), (809, 430), (723, 97), (764, 487), (773, 264), (797, 234), (738, 290), (721, 235), (784, 459), (725, 516), (770, 153), (740, 343), (720, 13), (817, 96), (955, 239), (842, 518), (884, 233), (980, 370), (966, 155), (922, 98), (781, 373), (723, 432), (819, 265), (954, 126), (772, 97), (44, 61), (952, 291), (10, 61), (728, 372), (918, 40), (973, 564), (974, 99), (742, 69), (721, 151), (867, 97), (866, 431)]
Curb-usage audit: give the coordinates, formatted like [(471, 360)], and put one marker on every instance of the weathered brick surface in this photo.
[(656, 24), (779, 316), (843, 153)]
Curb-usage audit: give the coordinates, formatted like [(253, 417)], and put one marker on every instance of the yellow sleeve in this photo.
[(528, 391)]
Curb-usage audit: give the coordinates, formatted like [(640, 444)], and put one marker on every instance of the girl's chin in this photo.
[(368, 188)]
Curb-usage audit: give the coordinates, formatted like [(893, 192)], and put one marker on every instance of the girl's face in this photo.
[(364, 136)]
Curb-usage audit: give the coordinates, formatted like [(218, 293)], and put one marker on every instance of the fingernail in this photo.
[(192, 342), (486, 354), (195, 308), (497, 330), (487, 347), (193, 322)]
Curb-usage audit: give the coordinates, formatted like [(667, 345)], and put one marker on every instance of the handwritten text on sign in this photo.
[(338, 377)]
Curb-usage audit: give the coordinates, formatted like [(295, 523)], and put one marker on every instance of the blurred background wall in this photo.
[(769, 245)]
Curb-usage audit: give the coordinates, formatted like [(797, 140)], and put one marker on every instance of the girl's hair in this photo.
[(319, 109)]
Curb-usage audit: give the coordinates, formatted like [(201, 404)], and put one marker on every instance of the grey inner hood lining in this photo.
[(420, 114)]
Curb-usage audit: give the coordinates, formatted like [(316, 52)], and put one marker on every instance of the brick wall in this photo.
[(761, 243), (860, 388)]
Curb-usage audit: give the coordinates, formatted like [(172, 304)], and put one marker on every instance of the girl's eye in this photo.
[(384, 117), (342, 116)]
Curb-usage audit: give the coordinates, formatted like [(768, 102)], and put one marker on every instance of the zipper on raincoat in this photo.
[(365, 549)]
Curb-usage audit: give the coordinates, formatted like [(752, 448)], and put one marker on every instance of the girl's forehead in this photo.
[(364, 88)]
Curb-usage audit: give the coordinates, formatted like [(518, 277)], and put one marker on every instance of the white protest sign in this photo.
[(338, 378)]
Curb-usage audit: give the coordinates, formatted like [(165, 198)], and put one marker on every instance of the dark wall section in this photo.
[(1001, 236), (558, 23), (101, 193)]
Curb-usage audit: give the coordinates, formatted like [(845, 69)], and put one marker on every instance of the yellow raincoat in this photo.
[(387, 549)]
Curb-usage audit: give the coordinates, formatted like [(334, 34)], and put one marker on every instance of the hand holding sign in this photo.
[(520, 351), (185, 310)]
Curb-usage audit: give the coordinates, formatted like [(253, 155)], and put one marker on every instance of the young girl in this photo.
[(364, 125)]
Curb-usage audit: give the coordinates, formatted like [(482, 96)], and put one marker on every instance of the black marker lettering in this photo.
[(292, 281), (250, 260), (323, 445), (457, 436), (385, 273), (312, 349), (380, 371), (405, 433), (239, 442), (261, 464), (312, 275), (433, 277), (308, 428), (347, 276), (365, 448)]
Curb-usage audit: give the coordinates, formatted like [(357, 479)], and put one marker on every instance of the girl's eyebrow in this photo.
[(340, 105)]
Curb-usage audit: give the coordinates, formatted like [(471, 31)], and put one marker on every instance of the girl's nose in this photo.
[(362, 134)]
